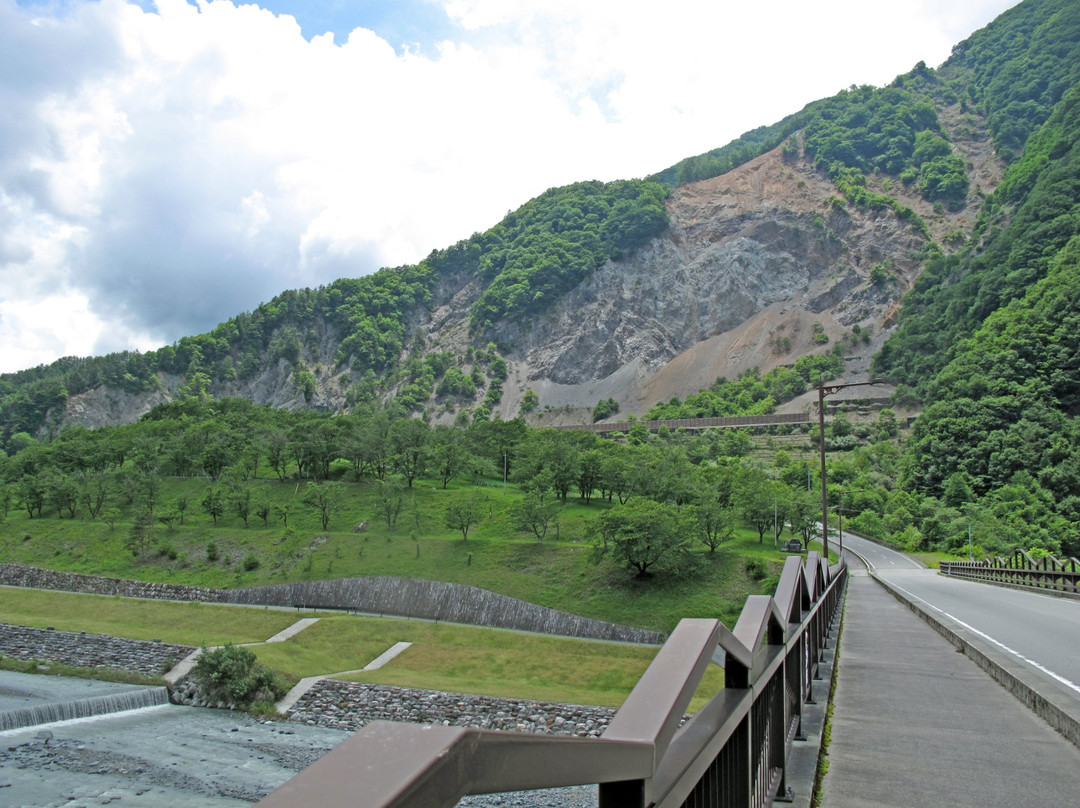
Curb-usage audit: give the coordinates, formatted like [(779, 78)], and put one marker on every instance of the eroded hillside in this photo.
[(757, 268)]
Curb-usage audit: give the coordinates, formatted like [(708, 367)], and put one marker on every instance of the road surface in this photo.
[(1040, 633)]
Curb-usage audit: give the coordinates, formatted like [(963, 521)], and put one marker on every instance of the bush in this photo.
[(757, 569), (232, 675), (604, 409)]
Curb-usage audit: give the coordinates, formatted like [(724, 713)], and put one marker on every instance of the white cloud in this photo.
[(162, 172)]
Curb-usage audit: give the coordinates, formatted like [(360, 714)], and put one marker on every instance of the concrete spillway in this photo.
[(29, 701)]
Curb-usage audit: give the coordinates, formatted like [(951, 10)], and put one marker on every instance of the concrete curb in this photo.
[(1042, 698), (802, 762), (292, 630), (183, 667)]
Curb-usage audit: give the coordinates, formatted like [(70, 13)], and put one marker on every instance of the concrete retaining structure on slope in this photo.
[(36, 578), (435, 600)]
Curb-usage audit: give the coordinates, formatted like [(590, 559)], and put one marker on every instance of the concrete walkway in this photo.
[(184, 666), (917, 724), (308, 682)]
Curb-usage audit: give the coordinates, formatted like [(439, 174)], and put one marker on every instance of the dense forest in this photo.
[(985, 342), (213, 488), (987, 338), (524, 264)]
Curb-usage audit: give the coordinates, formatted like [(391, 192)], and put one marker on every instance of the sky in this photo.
[(167, 165)]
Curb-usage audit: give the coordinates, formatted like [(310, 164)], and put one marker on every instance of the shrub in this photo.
[(604, 409), (757, 569), (231, 674)]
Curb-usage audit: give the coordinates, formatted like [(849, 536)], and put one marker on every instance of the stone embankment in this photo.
[(34, 578), (350, 705), (331, 703), (151, 658)]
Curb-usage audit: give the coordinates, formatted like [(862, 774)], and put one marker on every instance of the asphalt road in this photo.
[(1040, 633)]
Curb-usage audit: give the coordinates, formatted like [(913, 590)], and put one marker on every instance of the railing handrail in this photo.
[(709, 422), (644, 757)]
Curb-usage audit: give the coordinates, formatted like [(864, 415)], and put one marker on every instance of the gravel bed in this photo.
[(351, 705)]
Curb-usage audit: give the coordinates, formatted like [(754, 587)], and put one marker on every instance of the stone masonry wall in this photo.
[(83, 650), (34, 578)]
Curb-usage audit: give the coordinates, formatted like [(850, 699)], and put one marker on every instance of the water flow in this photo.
[(20, 717)]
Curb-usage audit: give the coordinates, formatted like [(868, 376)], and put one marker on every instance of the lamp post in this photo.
[(822, 391)]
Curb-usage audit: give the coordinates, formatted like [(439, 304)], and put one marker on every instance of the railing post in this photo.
[(624, 794)]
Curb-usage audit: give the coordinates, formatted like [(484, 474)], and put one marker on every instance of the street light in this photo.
[(822, 391)]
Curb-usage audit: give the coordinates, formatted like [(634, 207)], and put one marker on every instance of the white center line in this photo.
[(998, 643)]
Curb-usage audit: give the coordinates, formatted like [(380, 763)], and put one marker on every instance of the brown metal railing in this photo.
[(1020, 569), (728, 421), (733, 751)]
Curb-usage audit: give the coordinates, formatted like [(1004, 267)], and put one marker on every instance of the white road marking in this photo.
[(998, 643)]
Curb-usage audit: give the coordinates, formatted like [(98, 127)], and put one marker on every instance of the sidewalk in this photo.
[(917, 724)]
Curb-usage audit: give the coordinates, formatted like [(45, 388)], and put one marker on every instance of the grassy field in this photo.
[(460, 659), (561, 572), (182, 623)]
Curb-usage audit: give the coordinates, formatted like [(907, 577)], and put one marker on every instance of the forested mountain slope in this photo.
[(798, 239)]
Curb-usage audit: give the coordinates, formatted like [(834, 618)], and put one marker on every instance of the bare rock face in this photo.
[(769, 240), (107, 406), (758, 267)]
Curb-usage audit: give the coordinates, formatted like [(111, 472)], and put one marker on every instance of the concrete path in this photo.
[(305, 684), (184, 666), (915, 723), (294, 629)]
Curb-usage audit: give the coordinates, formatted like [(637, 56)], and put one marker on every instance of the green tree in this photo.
[(390, 495), (713, 522), (141, 535), (326, 498), (464, 511), (213, 502), (445, 454), (535, 514), (647, 536), (408, 439), (604, 408), (233, 675), (31, 492), (760, 499)]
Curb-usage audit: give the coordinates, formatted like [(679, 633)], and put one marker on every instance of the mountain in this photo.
[(881, 221)]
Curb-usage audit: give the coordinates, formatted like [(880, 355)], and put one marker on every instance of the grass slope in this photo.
[(560, 572)]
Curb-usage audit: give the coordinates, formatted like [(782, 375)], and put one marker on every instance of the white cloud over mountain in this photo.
[(160, 172)]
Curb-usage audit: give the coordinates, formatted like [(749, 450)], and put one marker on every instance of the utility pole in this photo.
[(822, 391)]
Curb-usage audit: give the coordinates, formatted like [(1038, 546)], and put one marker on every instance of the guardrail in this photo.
[(1020, 570), (728, 421), (733, 751)]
